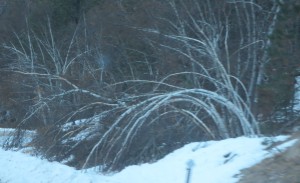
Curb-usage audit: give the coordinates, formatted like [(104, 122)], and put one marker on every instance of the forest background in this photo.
[(122, 82)]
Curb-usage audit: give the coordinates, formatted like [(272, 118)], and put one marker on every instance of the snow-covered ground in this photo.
[(7, 134), (214, 162)]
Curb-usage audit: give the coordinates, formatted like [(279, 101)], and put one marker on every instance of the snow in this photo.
[(6, 134), (89, 131), (214, 162)]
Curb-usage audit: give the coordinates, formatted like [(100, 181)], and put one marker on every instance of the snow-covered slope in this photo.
[(215, 162)]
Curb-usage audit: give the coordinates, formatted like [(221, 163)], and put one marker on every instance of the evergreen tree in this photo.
[(277, 93)]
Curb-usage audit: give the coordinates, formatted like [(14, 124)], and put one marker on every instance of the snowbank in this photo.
[(215, 162)]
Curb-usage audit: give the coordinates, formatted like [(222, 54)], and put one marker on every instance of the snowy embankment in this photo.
[(215, 162)]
